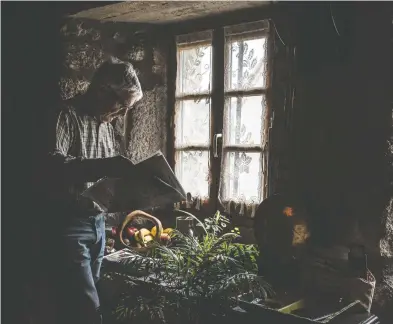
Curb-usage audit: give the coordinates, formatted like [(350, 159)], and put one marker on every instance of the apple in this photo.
[(130, 232), (114, 231), (165, 238)]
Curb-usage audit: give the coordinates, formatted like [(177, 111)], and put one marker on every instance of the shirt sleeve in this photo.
[(116, 148), (65, 134)]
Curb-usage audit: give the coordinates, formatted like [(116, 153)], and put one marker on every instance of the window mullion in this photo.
[(217, 111), (238, 148), (192, 148), (171, 102), (196, 96)]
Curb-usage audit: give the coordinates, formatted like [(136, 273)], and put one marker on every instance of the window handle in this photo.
[(215, 144)]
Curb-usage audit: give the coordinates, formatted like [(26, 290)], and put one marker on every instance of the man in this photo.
[(85, 151)]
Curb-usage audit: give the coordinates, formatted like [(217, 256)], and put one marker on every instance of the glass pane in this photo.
[(192, 170), (241, 177), (244, 120), (192, 123), (245, 64), (193, 69)]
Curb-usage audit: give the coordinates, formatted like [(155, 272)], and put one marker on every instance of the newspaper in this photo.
[(154, 186)]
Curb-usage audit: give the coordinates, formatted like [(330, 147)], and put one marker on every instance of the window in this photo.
[(221, 87), (193, 112)]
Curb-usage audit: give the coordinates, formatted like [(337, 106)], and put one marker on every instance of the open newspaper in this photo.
[(154, 186)]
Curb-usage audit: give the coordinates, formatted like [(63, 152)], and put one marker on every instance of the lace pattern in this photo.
[(192, 116), (244, 150), (244, 132)]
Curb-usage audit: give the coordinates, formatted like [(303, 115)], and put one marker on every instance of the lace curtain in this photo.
[(244, 155), (192, 115)]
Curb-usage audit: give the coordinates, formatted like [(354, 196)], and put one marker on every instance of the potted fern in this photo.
[(192, 273)]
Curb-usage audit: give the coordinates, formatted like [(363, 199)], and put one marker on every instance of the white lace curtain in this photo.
[(243, 167), (192, 114)]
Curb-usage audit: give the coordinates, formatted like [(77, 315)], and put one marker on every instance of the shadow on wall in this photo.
[(344, 164), (86, 44)]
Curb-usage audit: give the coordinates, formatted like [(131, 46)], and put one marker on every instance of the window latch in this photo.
[(215, 144)]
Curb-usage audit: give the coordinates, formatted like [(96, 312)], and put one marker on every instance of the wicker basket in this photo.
[(129, 218)]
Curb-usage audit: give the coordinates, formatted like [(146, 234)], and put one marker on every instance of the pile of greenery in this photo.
[(208, 272)]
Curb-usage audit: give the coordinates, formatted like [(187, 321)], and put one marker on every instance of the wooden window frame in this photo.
[(218, 95)]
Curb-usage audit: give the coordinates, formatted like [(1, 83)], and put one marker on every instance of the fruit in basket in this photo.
[(165, 238), (143, 236), (138, 237), (168, 231), (148, 238), (130, 232)]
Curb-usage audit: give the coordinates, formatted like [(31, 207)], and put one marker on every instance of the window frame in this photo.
[(218, 95)]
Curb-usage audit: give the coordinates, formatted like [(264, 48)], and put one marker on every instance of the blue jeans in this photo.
[(83, 244)]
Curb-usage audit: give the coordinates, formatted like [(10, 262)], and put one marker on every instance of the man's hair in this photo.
[(118, 75)]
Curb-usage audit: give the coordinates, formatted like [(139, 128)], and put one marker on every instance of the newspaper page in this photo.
[(159, 188)]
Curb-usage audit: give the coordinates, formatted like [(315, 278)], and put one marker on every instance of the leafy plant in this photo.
[(212, 269)]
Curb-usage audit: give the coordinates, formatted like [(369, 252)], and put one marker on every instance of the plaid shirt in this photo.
[(79, 135)]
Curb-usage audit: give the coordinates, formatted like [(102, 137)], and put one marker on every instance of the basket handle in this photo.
[(136, 213)]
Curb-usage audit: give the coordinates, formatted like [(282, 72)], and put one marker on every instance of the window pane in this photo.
[(241, 177), (244, 120), (192, 123), (245, 64), (193, 69), (192, 170)]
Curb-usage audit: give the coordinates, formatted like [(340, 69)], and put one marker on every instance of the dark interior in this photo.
[(332, 108)]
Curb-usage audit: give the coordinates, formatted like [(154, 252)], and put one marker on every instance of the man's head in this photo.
[(116, 89)]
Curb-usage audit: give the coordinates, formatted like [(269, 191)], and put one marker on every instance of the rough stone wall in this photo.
[(87, 44)]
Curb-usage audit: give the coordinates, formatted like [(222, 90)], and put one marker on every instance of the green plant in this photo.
[(213, 270)]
